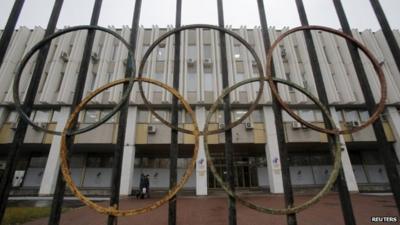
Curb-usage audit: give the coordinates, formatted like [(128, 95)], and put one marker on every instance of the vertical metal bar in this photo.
[(386, 148), (283, 153), (19, 135), (387, 31), (122, 122), (58, 196), (230, 177), (344, 195), (10, 27), (173, 152)]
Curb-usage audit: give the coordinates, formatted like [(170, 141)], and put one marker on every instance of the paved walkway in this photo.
[(212, 210)]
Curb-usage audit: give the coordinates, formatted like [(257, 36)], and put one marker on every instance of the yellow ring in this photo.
[(113, 210)]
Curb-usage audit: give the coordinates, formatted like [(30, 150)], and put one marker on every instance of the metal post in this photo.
[(283, 153), (122, 122), (10, 27), (387, 31), (19, 135), (345, 200), (230, 178), (58, 197), (386, 148), (173, 152)]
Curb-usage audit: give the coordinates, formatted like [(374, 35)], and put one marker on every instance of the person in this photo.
[(147, 185), (142, 186)]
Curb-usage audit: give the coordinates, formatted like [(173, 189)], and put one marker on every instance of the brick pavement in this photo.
[(212, 210)]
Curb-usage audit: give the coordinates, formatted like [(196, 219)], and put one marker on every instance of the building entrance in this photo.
[(245, 172)]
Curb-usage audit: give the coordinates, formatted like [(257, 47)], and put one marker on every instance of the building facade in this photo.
[(147, 140)]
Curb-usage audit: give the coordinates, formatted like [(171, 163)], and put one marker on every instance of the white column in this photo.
[(272, 152), (49, 179), (128, 159), (346, 163), (201, 161), (394, 120)]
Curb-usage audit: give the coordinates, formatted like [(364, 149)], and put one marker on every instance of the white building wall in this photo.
[(338, 73)]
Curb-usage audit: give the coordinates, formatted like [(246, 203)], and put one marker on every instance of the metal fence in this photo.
[(386, 148)]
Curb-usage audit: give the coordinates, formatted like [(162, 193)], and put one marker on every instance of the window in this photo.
[(307, 115), (237, 114), (159, 77), (42, 116), (286, 117), (55, 116), (38, 162), (109, 77), (240, 67), (188, 118), (207, 51), (208, 82), (288, 77), (191, 82), (364, 115), (43, 81), (91, 116), (240, 77), (326, 55), (297, 51), (318, 116), (213, 117), (105, 112), (257, 116), (154, 119), (161, 53), (99, 49), (207, 36), (99, 161), (143, 116), (299, 159), (77, 161), (144, 50), (236, 52), (12, 117), (371, 157), (114, 51), (182, 163), (93, 84), (152, 163), (320, 158), (192, 52), (255, 71), (351, 116), (60, 81), (221, 117)]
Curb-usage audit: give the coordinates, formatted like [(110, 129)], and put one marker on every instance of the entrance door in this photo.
[(245, 173)]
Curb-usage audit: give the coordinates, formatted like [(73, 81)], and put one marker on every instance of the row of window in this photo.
[(96, 160), (365, 157), (144, 116)]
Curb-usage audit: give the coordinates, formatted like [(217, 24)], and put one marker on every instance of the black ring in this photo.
[(45, 42), (212, 27)]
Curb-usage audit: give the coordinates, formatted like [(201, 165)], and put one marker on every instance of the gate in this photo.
[(68, 134)]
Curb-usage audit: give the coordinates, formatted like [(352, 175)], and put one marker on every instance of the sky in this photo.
[(280, 13)]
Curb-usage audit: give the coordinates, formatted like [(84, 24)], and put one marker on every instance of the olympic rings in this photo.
[(43, 43), (212, 27), (381, 105), (336, 149), (112, 210), (334, 132)]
